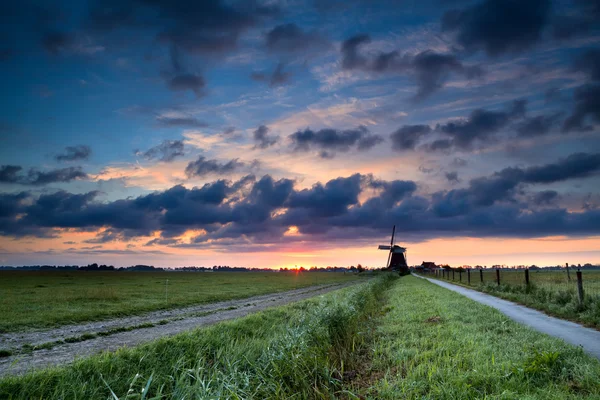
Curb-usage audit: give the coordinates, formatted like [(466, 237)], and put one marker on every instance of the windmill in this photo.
[(397, 257)]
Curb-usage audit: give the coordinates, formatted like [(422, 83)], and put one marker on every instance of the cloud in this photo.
[(74, 153), (538, 125), (290, 38), (203, 166), (10, 174), (408, 136), (332, 140), (202, 27), (452, 177), (545, 197), (480, 126), (589, 64), (184, 122), (167, 151), (262, 139), (587, 107), (498, 26), (502, 186), (429, 68), (579, 21), (277, 78), (187, 81), (577, 165), (358, 206)]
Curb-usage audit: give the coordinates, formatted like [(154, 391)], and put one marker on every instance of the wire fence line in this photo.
[(584, 283)]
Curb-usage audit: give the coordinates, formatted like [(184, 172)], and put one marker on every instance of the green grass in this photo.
[(44, 299), (299, 351), (434, 343), (384, 339), (549, 291)]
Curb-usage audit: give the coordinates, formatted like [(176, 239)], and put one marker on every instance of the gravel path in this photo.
[(158, 324), (570, 332)]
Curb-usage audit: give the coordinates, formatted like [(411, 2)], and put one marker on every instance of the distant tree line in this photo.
[(215, 268)]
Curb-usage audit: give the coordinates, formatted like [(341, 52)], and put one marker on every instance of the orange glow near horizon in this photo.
[(71, 248)]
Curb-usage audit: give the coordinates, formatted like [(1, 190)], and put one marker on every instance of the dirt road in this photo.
[(76, 341), (570, 332)]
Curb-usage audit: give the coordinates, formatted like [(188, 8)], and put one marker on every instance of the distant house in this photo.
[(426, 266)]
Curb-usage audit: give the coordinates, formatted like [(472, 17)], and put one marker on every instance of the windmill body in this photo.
[(397, 256)]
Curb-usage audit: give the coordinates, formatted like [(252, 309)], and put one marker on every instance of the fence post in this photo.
[(568, 273), (498, 276), (469, 276), (580, 286), (452, 274), (527, 276), (481, 275)]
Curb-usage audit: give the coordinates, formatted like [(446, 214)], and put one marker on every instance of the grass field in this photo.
[(549, 291), (42, 299), (434, 343), (385, 339)]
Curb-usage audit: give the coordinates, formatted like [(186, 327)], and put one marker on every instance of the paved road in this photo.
[(570, 332)]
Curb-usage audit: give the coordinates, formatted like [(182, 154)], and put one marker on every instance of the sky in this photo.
[(267, 133)]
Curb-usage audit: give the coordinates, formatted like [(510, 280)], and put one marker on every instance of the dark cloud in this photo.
[(589, 63), (74, 153), (408, 136), (184, 122), (480, 126), (36, 177), (204, 27), (545, 197), (430, 69), (539, 125), (578, 165), (167, 151), (259, 212), (587, 107), (290, 38), (452, 176), (277, 78), (10, 174), (187, 81), (503, 186), (498, 26), (332, 140), (262, 139), (203, 166), (581, 20), (327, 200)]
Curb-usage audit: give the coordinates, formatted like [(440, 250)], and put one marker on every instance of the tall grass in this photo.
[(300, 351), (437, 344)]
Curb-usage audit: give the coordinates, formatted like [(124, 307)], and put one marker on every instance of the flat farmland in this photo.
[(40, 299)]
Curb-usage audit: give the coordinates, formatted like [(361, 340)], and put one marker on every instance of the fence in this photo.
[(584, 283)]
